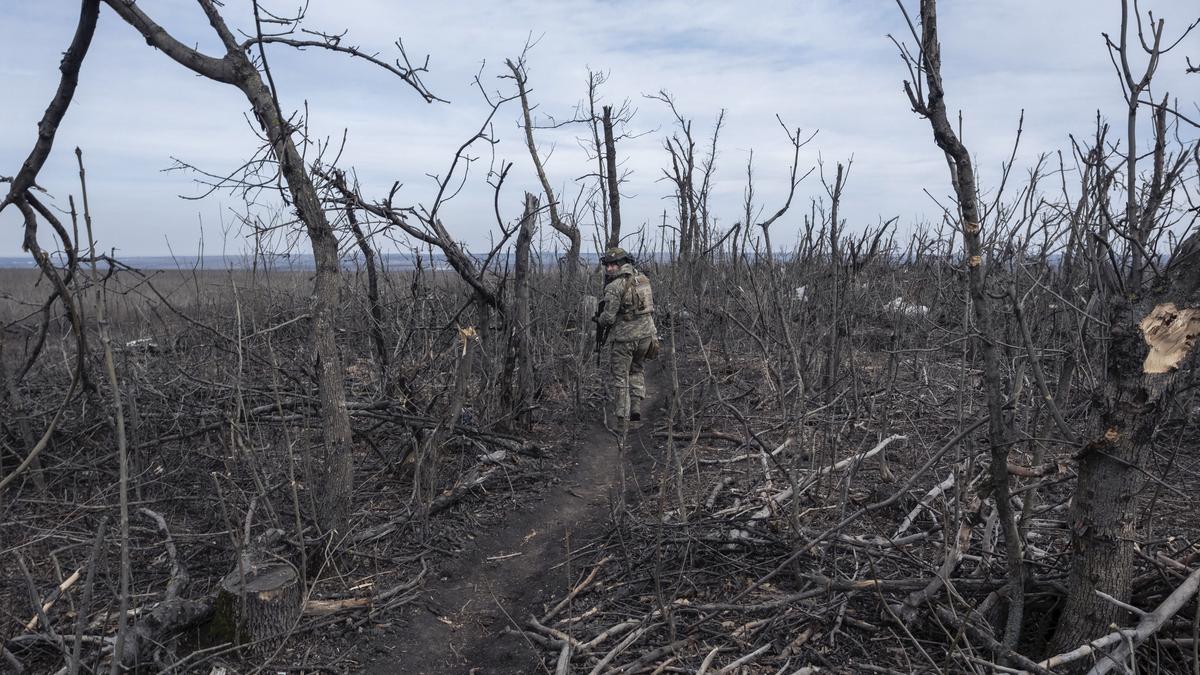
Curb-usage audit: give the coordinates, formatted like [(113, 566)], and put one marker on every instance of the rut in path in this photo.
[(507, 573)]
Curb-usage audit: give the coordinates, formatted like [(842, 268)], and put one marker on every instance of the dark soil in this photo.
[(466, 619)]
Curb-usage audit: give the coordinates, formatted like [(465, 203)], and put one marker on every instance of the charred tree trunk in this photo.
[(614, 194), (523, 315), (594, 121), (1139, 392), (834, 357), (518, 367), (381, 350)]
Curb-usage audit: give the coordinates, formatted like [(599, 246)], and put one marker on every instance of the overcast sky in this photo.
[(822, 65)]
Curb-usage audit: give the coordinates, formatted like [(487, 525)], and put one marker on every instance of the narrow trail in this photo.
[(508, 572)]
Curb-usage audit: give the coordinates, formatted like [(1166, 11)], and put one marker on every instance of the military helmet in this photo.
[(616, 255)]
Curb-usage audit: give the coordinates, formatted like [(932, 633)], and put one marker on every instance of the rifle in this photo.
[(601, 331)]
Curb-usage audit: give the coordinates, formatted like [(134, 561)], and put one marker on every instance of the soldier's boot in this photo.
[(635, 409)]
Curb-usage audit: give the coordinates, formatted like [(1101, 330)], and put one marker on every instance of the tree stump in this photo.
[(258, 604)]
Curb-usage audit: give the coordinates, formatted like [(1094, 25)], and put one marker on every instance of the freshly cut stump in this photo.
[(258, 604)]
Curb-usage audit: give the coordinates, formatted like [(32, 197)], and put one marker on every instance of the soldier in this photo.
[(627, 311)]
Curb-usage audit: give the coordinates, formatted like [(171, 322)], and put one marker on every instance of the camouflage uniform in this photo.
[(629, 310)]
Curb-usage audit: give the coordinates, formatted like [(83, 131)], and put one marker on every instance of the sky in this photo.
[(824, 66)]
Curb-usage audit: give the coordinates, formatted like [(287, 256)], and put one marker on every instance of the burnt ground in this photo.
[(465, 619)]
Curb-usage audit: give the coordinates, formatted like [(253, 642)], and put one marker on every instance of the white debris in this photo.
[(801, 293), (142, 345), (494, 457), (905, 308)]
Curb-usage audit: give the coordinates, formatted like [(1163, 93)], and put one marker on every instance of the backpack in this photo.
[(637, 299)]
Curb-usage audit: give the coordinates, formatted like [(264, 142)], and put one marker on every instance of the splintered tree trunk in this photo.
[(614, 194), (425, 473), (517, 388), (1103, 510), (840, 273), (258, 605), (1139, 387)]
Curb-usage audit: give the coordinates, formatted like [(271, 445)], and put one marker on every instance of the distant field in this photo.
[(137, 301)]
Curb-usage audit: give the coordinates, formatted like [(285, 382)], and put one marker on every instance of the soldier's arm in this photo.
[(612, 305)]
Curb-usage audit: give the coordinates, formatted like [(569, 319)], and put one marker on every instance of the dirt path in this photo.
[(508, 572)]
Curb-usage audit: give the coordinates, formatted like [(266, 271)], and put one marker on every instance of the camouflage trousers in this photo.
[(627, 369)]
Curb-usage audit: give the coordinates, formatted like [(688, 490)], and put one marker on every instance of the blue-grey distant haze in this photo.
[(821, 64)]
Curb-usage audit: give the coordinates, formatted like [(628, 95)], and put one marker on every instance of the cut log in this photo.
[(327, 607), (258, 605)]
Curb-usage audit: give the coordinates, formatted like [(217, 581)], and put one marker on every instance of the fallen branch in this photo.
[(645, 659), (748, 658), (152, 629), (473, 479), (778, 500), (14, 664), (1126, 639), (979, 635), (327, 607), (179, 575), (575, 591), (53, 597), (621, 646), (925, 503), (912, 604), (782, 497), (814, 541)]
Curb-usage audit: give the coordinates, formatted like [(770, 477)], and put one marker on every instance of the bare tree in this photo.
[(930, 103), (568, 230), (20, 195), (794, 180), (691, 176), (423, 223), (611, 180), (334, 463)]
